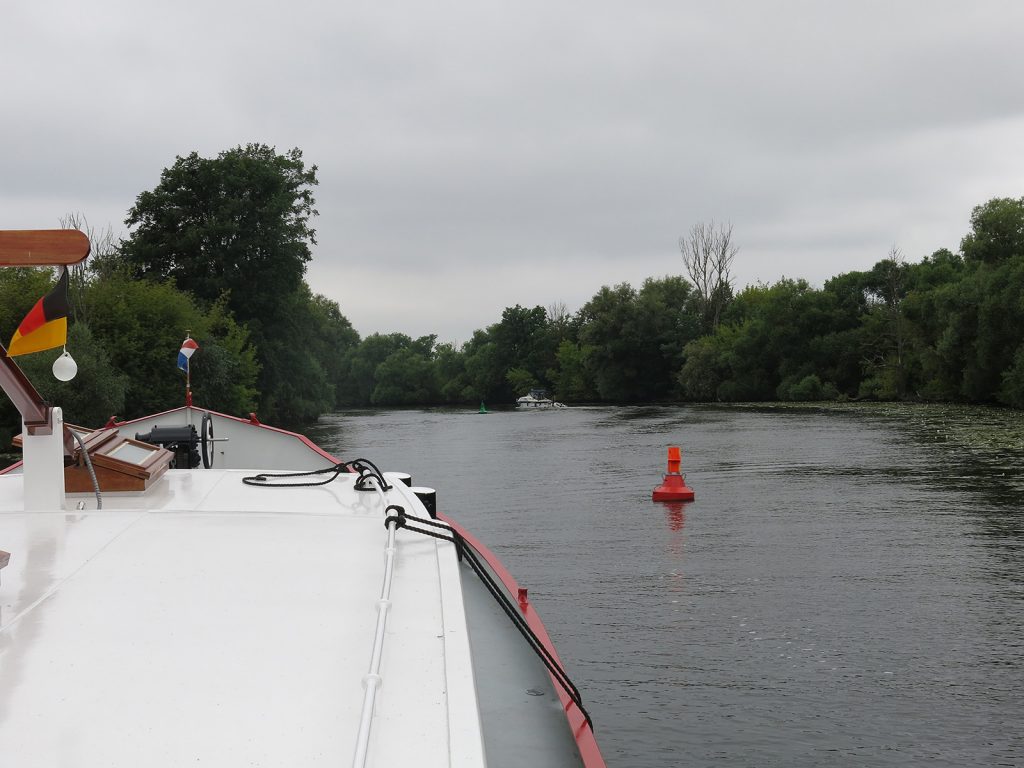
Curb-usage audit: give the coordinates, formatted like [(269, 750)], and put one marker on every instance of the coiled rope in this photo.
[(366, 469)]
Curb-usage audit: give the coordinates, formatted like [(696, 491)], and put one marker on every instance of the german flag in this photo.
[(46, 326)]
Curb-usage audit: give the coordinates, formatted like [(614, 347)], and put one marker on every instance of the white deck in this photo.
[(227, 625)]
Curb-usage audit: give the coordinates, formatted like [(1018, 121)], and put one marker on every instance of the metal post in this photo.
[(43, 466)]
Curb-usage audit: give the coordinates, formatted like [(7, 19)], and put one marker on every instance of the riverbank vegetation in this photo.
[(219, 248)]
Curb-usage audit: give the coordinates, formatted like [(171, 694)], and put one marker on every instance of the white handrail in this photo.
[(372, 680)]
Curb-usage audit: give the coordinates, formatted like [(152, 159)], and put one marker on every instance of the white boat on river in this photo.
[(234, 595), (537, 399)]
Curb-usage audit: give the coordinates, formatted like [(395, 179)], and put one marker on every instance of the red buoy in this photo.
[(674, 488)]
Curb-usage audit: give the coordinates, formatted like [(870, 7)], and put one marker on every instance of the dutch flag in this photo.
[(188, 346)]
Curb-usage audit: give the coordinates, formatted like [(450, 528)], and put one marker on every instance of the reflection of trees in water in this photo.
[(976, 453), (971, 449)]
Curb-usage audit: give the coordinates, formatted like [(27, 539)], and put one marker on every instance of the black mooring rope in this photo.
[(465, 550), (367, 470)]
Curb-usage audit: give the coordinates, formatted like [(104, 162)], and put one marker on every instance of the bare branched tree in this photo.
[(102, 244), (559, 318), (708, 252), (558, 313)]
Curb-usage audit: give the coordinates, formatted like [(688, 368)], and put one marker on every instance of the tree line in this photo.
[(949, 328), (219, 248)]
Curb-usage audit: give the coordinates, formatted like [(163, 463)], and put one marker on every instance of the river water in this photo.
[(847, 588)]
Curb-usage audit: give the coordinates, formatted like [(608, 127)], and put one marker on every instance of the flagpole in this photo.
[(188, 347), (188, 383)]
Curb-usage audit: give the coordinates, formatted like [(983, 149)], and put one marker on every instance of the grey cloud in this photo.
[(540, 149)]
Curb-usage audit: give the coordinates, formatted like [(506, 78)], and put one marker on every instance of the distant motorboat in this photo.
[(538, 399)]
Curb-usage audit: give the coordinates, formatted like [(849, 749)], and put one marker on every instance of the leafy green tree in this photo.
[(932, 287), (406, 376), (997, 231), (774, 343), (142, 324), (450, 380), (968, 322), (769, 344), (612, 338), (956, 322), (237, 228), (669, 317), (226, 370), (521, 380), (360, 367), (310, 343), (304, 357), (301, 355), (950, 327), (238, 224), (707, 365), (330, 335), (838, 351), (522, 341), (886, 331), (634, 340), (390, 369), (20, 289), (570, 377), (1000, 327), (1011, 390), (940, 269), (95, 394), (485, 369), (807, 389)]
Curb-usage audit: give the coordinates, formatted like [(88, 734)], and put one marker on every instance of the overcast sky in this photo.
[(477, 155)]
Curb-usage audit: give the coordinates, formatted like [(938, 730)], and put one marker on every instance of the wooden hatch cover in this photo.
[(120, 463)]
